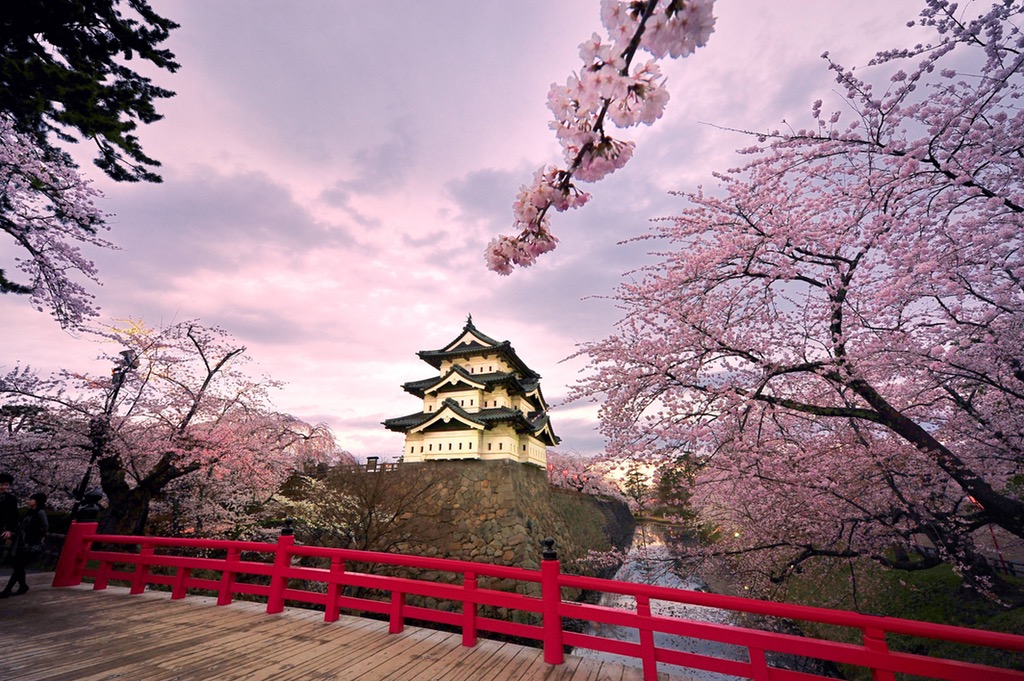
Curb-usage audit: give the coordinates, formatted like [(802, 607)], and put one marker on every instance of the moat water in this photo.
[(649, 561)]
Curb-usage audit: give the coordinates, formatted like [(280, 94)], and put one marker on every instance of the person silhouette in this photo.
[(8, 509), (28, 543)]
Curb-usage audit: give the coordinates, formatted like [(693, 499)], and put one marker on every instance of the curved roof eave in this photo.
[(434, 385), (450, 406), (473, 342), (542, 427)]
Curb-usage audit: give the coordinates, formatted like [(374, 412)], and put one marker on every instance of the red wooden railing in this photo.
[(135, 564)]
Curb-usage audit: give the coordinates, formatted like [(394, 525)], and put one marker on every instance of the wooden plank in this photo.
[(285, 666), (513, 660), (83, 635), (395, 658), (532, 668), (587, 669), (482, 659), (83, 632), (248, 641), (431, 666)]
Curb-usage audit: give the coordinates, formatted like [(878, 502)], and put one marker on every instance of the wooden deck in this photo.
[(76, 633)]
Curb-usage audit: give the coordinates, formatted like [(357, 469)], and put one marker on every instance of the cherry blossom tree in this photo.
[(179, 427), (65, 75), (605, 89), (46, 206), (251, 454), (582, 473), (835, 330)]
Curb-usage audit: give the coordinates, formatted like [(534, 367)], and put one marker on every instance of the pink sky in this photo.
[(333, 171)]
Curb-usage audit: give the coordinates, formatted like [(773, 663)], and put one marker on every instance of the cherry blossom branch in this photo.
[(604, 89), (46, 206)]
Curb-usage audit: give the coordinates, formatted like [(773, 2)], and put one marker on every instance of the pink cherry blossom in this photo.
[(836, 328), (45, 207), (188, 436), (603, 89)]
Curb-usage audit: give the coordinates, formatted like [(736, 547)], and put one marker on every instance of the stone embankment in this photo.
[(498, 512)]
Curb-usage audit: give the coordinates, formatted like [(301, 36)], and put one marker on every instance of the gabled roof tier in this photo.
[(542, 429), (471, 343), (458, 378), (536, 424)]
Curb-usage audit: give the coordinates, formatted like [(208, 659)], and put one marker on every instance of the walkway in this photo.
[(76, 633)]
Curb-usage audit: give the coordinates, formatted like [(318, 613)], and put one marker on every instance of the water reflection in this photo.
[(650, 562)]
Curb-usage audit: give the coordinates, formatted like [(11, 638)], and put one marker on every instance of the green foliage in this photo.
[(63, 71), (673, 487), (637, 486), (935, 595)]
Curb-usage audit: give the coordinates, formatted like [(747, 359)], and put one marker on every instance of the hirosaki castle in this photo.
[(485, 403)]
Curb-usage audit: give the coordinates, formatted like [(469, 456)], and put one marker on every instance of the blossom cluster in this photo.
[(835, 330), (45, 205), (604, 89)]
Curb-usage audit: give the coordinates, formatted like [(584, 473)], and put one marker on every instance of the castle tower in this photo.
[(484, 404)]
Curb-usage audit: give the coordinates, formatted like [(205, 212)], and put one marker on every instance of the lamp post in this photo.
[(99, 426)]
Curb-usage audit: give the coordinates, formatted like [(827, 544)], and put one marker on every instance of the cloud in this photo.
[(333, 172)]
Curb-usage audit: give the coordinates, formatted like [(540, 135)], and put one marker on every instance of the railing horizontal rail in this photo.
[(454, 596), (798, 612), (420, 562)]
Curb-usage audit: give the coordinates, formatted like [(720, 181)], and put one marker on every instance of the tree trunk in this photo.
[(126, 514), (127, 507)]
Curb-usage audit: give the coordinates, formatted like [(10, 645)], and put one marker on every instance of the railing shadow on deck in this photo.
[(87, 554)]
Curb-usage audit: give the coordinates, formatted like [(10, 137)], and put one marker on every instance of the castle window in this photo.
[(524, 448), (470, 445), (460, 445), (421, 449), (471, 403), (431, 448), (449, 446), (488, 446), (501, 445), (412, 449)]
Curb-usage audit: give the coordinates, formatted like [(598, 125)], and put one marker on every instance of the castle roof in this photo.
[(536, 422), (472, 343), (458, 378)]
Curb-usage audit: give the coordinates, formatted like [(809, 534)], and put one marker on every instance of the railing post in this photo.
[(102, 575), (874, 640), (227, 577), (72, 555), (469, 611), (647, 653), (334, 588), (142, 569), (396, 622), (180, 587), (758, 664), (282, 561), (551, 599)]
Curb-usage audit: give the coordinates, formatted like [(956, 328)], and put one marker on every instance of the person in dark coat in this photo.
[(28, 543), (8, 508), (8, 512)]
